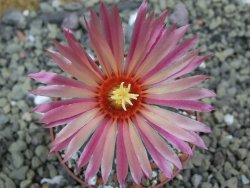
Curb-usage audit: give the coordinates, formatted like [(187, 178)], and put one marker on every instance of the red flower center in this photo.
[(112, 101)]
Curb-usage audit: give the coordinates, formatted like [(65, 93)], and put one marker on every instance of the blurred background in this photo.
[(27, 29)]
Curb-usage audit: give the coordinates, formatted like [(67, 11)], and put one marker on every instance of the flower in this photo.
[(115, 110)]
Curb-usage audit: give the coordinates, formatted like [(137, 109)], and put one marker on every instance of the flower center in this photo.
[(121, 96)]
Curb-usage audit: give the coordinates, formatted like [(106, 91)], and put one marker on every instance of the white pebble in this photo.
[(202, 65), (245, 1), (54, 180), (26, 12), (154, 174), (41, 99), (31, 38), (132, 19), (245, 180), (92, 180), (229, 119)]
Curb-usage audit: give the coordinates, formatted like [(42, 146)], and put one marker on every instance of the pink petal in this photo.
[(135, 36), (191, 66), (177, 85), (182, 104), (74, 126), (61, 121), (187, 94), (89, 148), (81, 137), (81, 54), (101, 47), (170, 58), (122, 161), (160, 161), (168, 126), (164, 47), (67, 111), (62, 145), (42, 108), (96, 158), (55, 79), (158, 142), (63, 91), (176, 142), (71, 68), (133, 162), (179, 120), (140, 150), (108, 152)]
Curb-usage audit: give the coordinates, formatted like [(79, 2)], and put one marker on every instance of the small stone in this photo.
[(46, 7), (3, 119), (13, 48), (41, 152), (74, 6), (25, 184), (71, 22), (14, 17), (219, 116), (206, 185), (92, 181), (18, 146), (180, 15), (18, 159), (3, 102), (26, 116), (232, 182), (241, 153), (244, 180), (19, 173), (229, 119), (41, 99), (35, 162), (229, 8), (196, 180), (215, 23)]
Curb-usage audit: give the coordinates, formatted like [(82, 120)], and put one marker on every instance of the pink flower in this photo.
[(115, 106)]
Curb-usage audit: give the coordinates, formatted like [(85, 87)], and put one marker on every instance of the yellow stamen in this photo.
[(121, 96)]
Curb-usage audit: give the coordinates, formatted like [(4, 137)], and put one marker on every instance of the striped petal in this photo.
[(96, 159), (177, 85), (67, 66), (55, 79), (43, 108), (162, 51), (63, 91), (122, 161), (140, 151), (74, 126), (89, 148), (158, 142), (160, 161), (108, 152), (179, 120), (102, 49), (181, 104), (81, 137), (133, 161), (112, 28), (81, 54), (187, 94), (61, 121), (67, 111)]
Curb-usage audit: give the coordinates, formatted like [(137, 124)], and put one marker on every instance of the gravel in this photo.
[(223, 29)]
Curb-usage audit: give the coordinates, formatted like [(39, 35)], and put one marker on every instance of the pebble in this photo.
[(14, 17), (245, 180), (229, 119), (71, 22), (196, 180), (41, 152), (180, 15), (17, 146), (20, 173), (41, 99), (18, 159)]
